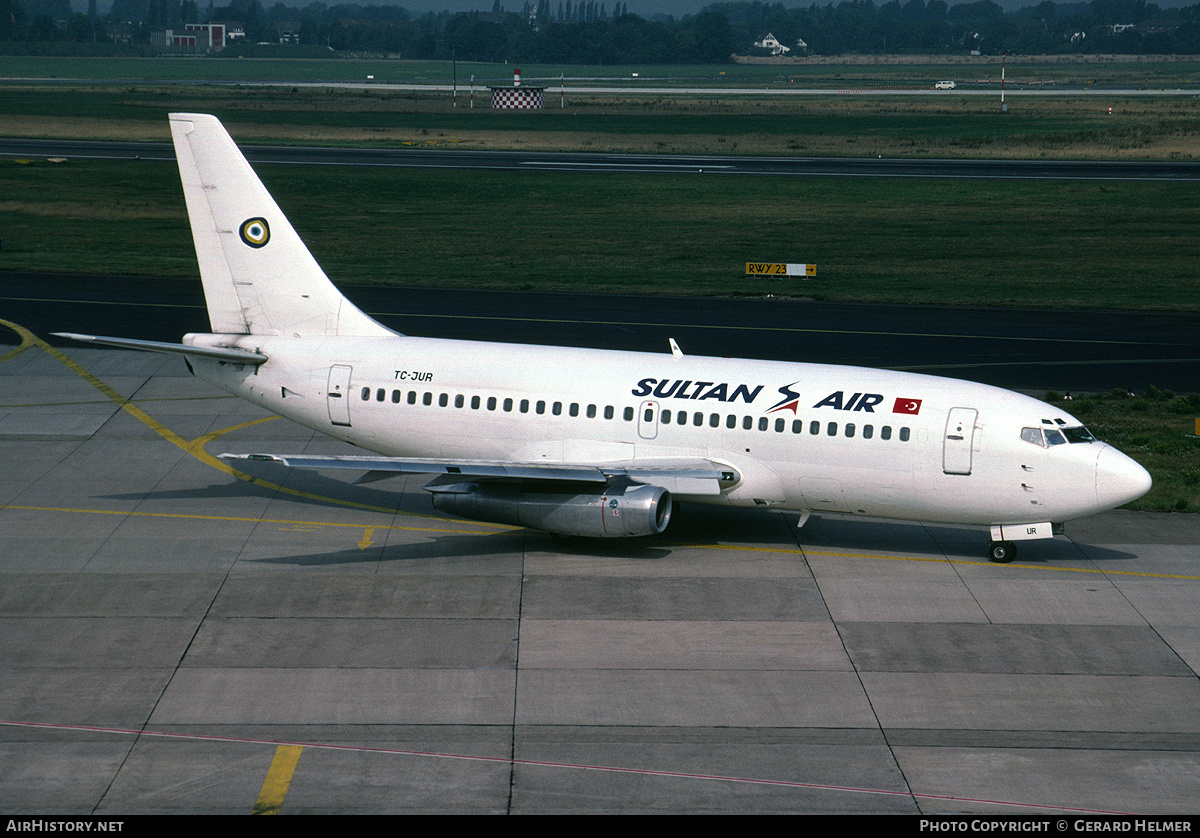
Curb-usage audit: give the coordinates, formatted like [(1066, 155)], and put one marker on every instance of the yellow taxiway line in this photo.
[(278, 780)]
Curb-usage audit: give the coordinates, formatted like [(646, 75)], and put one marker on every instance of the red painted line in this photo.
[(648, 772)]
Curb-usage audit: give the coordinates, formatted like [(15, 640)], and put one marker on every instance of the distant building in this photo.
[(173, 42), (121, 32), (288, 31), (210, 37), (193, 39), (772, 45)]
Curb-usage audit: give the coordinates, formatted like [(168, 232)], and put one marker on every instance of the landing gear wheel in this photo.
[(1002, 552)]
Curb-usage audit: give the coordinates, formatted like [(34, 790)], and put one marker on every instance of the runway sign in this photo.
[(780, 269)]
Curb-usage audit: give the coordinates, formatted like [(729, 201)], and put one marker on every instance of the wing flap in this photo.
[(684, 476)]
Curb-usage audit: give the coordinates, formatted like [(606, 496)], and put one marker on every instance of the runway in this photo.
[(1025, 349), (179, 640), (743, 165)]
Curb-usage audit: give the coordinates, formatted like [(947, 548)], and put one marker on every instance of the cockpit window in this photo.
[(1078, 434), (1051, 436)]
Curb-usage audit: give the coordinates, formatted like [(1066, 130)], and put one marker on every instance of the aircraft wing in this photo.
[(686, 476)]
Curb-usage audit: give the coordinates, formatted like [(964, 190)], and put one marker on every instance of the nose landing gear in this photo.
[(1002, 552)]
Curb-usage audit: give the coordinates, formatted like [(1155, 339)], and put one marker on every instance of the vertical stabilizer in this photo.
[(258, 276)]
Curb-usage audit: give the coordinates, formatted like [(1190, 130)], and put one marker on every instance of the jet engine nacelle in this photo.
[(615, 512)]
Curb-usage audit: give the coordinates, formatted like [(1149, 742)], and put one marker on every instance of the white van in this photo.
[(944, 85)]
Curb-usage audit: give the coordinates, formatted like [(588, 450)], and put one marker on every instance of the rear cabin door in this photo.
[(959, 440), (648, 420), (338, 394)]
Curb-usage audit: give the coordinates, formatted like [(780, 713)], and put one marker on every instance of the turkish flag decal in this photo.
[(912, 406)]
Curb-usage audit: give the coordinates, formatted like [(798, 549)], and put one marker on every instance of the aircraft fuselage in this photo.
[(803, 437)]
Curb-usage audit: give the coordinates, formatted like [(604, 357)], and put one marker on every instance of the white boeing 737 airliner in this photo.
[(602, 443)]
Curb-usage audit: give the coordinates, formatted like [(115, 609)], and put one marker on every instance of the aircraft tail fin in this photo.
[(259, 277)]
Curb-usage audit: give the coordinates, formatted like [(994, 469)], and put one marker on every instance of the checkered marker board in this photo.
[(517, 97)]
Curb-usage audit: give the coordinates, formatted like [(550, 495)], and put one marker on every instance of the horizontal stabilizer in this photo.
[(231, 354)]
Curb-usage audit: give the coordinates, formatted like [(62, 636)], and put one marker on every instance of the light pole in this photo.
[(1003, 59)]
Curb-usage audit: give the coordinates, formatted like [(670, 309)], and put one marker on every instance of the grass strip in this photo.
[(1123, 245), (1158, 429)]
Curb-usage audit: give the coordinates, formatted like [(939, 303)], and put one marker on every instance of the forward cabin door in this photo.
[(959, 440), (338, 394)]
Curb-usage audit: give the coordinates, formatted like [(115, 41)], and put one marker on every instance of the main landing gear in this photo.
[(1002, 552)]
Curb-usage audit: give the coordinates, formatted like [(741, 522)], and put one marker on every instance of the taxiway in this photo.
[(179, 640)]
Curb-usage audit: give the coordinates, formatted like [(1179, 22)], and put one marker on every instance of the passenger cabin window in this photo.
[(1042, 437)]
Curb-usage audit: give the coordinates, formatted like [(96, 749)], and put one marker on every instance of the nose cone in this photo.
[(1119, 479)]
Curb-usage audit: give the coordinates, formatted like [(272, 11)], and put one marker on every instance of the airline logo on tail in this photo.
[(255, 232)]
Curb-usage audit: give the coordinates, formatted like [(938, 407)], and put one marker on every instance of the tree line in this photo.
[(591, 32)]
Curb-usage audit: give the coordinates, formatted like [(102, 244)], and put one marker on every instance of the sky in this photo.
[(642, 8), (648, 8)]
